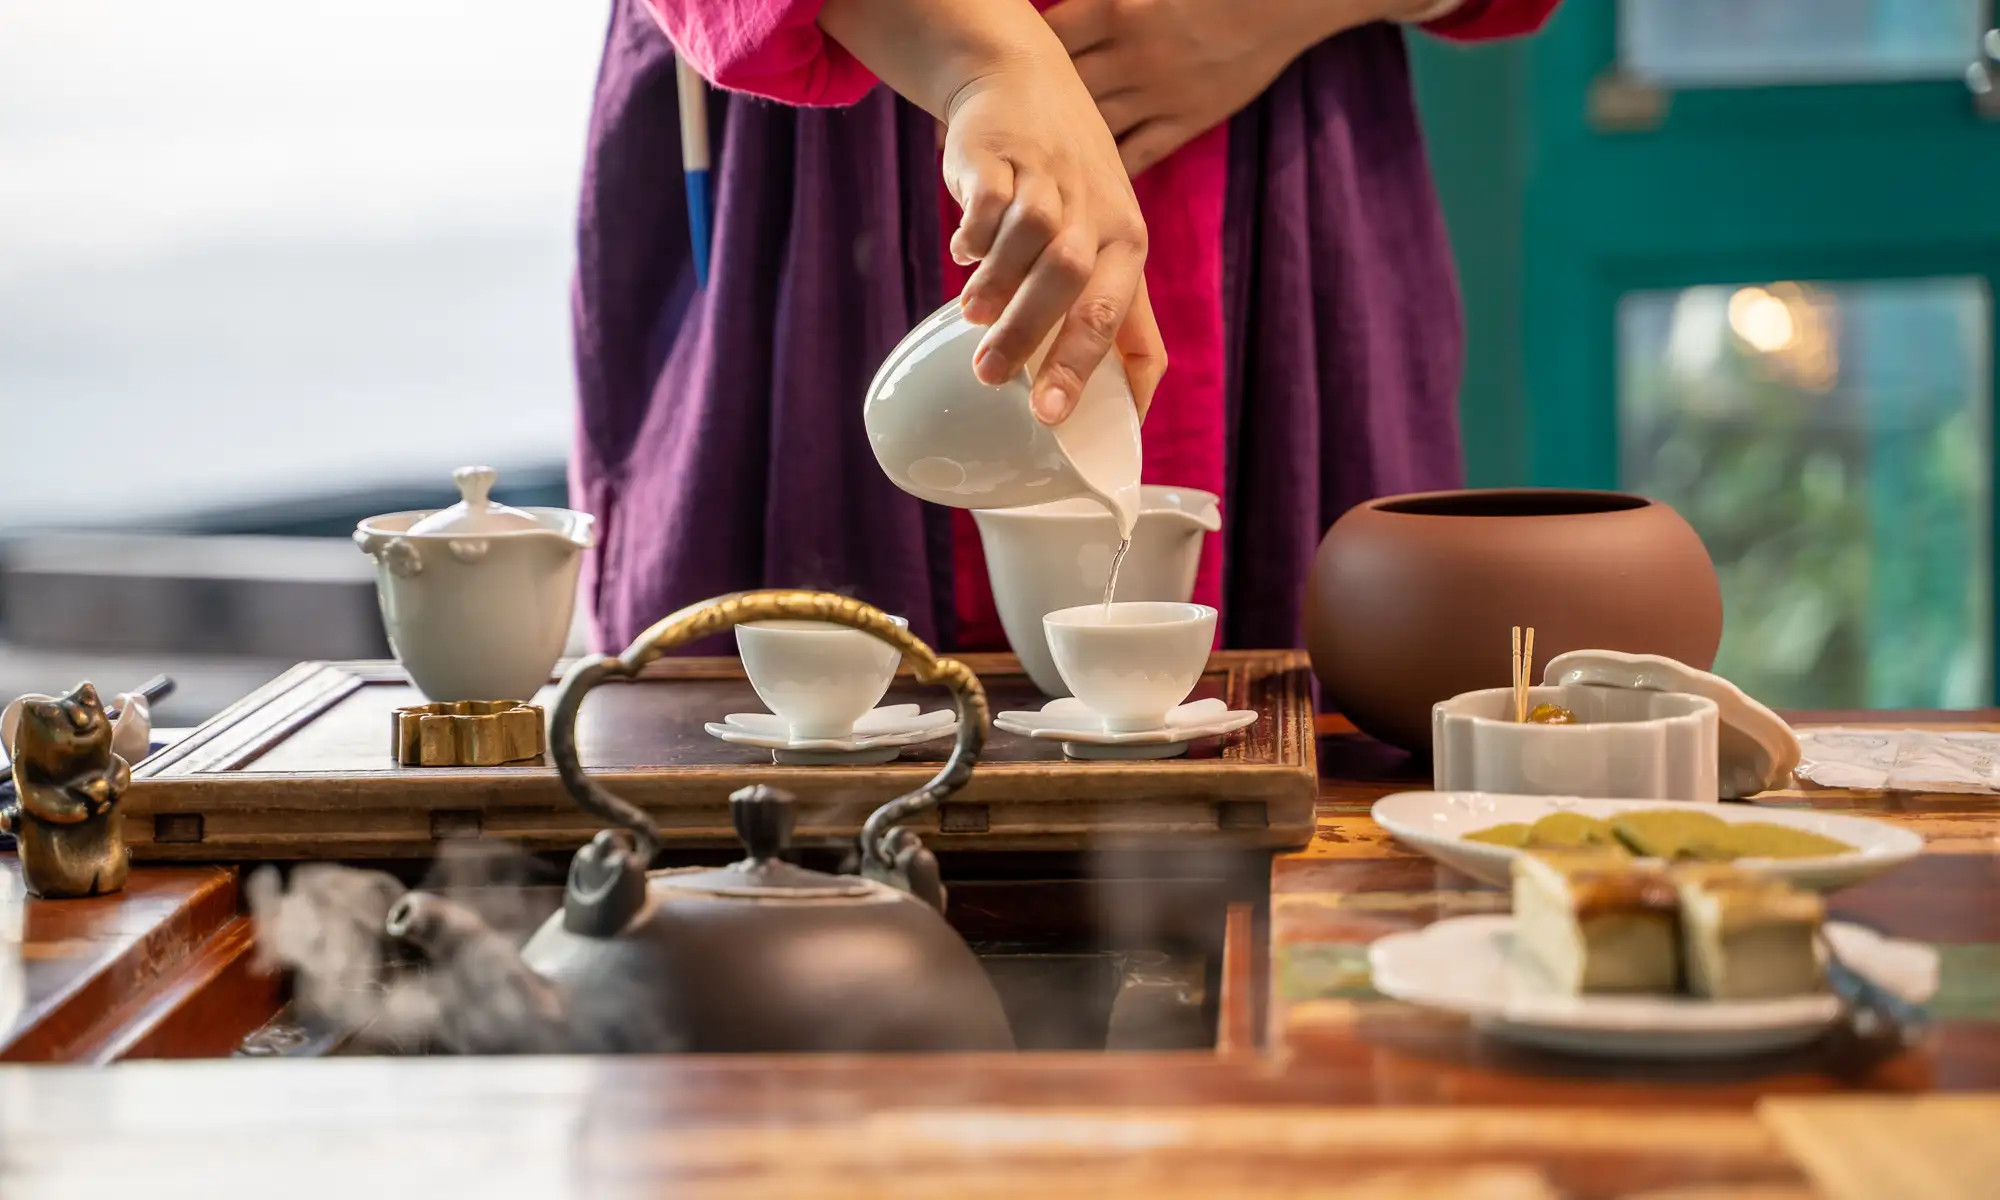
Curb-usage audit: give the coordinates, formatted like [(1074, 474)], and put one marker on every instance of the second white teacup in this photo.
[(820, 677), (1131, 663)]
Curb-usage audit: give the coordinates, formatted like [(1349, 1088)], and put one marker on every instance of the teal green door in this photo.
[(1746, 251)]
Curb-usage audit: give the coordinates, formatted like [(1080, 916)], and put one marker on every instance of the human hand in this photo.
[(1051, 220), (1049, 212), (1165, 71)]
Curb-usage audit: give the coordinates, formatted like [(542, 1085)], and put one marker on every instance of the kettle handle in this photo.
[(879, 844)]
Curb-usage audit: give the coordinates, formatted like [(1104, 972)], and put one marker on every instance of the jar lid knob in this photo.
[(475, 484), (763, 816)]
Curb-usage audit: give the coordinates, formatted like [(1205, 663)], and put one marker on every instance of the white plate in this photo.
[(1437, 822), (1068, 721), (1466, 965), (878, 737), (1757, 751)]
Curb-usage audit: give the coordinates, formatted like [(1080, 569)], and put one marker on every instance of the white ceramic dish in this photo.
[(1642, 745), (1052, 556), (820, 677), (1466, 965), (477, 598), (878, 737), (943, 436), (1072, 723), (1436, 824), (1132, 663), (1757, 751)]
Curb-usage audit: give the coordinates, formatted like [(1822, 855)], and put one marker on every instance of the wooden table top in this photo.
[(1351, 1095), (1355, 883)]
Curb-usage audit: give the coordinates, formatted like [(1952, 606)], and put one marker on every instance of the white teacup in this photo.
[(820, 677), (1131, 663)]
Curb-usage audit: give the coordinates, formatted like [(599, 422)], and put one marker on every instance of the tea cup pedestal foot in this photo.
[(469, 733)]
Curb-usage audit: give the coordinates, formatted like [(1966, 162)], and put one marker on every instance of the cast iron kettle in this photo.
[(760, 956)]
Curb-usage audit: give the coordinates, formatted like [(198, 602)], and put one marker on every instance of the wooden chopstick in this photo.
[(1527, 669), (1514, 678)]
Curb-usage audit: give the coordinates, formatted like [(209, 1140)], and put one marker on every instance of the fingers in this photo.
[(1143, 349), (1124, 112), (1105, 74), (1029, 227), (1089, 329), (983, 183), (1049, 291), (1080, 24), (1148, 143)]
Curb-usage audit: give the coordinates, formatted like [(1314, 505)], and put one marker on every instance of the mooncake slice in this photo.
[(1674, 834), (1591, 921), (1569, 830), (1747, 937), (1514, 834), (1764, 839)]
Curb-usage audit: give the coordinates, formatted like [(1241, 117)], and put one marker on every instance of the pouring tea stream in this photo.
[(1061, 514)]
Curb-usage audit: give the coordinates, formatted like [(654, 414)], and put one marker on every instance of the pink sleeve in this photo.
[(768, 48), (1492, 20)]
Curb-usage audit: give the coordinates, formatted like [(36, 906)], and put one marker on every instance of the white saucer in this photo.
[(1082, 736), (1757, 751), (1465, 965), (878, 737), (1437, 822)]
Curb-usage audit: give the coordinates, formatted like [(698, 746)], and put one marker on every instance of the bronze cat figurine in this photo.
[(67, 822)]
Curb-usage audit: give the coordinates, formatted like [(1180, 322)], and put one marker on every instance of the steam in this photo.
[(406, 971)]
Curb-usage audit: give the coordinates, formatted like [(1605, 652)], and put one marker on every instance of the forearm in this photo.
[(929, 50)]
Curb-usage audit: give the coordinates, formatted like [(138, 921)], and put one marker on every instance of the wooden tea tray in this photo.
[(303, 769)]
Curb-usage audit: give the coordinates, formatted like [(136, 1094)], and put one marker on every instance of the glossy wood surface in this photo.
[(304, 769), (1355, 883), (159, 969), (1320, 1087), (1051, 1125)]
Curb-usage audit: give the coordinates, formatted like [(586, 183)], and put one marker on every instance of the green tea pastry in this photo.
[(1569, 830), (1673, 833), (1591, 921), (1762, 839), (1513, 834), (1747, 937)]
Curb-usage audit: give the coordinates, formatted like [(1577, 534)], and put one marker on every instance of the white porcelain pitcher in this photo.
[(943, 436), (1052, 556)]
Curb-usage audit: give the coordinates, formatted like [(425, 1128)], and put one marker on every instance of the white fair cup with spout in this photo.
[(943, 436), (1047, 557)]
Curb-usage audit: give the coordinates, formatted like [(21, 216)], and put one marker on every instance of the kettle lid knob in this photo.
[(763, 816)]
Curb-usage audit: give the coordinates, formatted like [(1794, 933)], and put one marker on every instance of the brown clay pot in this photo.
[(1412, 598)]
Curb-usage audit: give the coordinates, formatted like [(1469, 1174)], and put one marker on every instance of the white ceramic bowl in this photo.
[(1626, 745), (1437, 823), (1058, 555), (1131, 663), (945, 437), (820, 677)]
